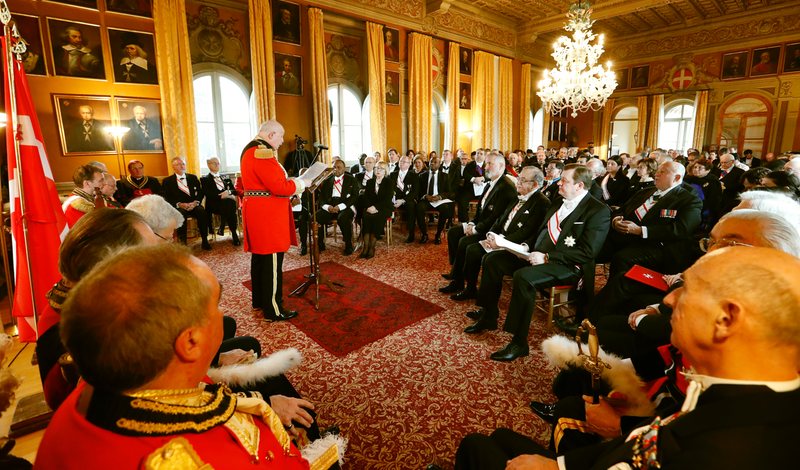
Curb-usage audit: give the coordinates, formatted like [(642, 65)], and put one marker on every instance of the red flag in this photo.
[(45, 220)]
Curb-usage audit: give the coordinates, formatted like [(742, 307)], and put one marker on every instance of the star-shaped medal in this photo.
[(569, 241)]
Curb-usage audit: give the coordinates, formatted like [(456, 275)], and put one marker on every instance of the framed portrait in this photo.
[(76, 49), (464, 96), (791, 58), (133, 56), (33, 59), (622, 78), (640, 76), (78, 3), (131, 7), (286, 22), (392, 87), (765, 61), (734, 65), (142, 117), (465, 61), (288, 74), (391, 44), (82, 122)]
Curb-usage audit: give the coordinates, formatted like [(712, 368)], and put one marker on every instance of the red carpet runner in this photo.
[(366, 311)]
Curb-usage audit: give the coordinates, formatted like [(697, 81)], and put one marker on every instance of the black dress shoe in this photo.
[(510, 352), (410, 239), (221, 231), (283, 316), (303, 250), (237, 242), (544, 411), (567, 325), (480, 326), (321, 247), (466, 294), (424, 238), (437, 241), (452, 288), (206, 246), (348, 250), (475, 314), (448, 276)]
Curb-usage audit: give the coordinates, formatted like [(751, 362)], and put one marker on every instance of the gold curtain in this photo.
[(420, 91), (524, 105), (453, 78), (482, 99), (319, 81), (545, 124), (605, 130), (505, 96), (656, 115), (377, 87), (175, 83), (263, 64), (641, 105), (700, 117)]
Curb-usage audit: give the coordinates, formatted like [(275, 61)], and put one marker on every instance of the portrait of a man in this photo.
[(288, 76), (465, 61), (391, 44), (734, 65), (286, 22), (33, 58), (131, 7), (76, 49), (640, 76), (82, 122), (622, 79), (133, 56), (392, 88), (142, 118), (765, 61), (464, 96), (792, 61)]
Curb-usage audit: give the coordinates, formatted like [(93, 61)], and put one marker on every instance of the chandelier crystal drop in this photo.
[(578, 82)]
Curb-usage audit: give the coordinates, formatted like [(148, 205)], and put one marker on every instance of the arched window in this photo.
[(221, 97), (535, 129), (744, 124), (677, 130), (438, 124), (624, 128), (346, 132)]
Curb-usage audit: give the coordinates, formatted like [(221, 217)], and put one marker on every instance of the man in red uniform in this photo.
[(143, 328), (267, 217), (87, 179)]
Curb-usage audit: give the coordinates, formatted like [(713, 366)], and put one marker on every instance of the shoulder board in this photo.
[(263, 153), (175, 454), (81, 204)]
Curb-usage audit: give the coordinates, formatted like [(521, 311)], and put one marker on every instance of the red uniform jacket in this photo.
[(268, 221)]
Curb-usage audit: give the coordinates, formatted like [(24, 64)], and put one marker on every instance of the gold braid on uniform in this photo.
[(58, 295), (162, 412)]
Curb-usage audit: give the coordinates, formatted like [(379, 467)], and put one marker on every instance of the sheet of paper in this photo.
[(312, 173), (515, 248), (439, 203), (478, 188)]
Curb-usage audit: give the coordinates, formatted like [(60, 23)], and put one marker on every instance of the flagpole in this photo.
[(5, 16)]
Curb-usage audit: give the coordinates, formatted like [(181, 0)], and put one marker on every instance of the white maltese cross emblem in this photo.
[(569, 241)]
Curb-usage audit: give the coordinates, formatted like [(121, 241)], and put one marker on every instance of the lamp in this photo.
[(117, 132), (578, 81)]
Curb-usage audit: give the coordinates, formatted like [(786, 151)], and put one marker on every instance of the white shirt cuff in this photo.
[(326, 207), (561, 461), (644, 232), (341, 206), (299, 185)]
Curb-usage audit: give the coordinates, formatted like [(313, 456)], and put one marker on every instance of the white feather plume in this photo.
[(245, 375)]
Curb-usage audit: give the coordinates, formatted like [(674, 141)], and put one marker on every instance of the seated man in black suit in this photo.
[(136, 184), (497, 196), (750, 160), (474, 173), (183, 190), (737, 414), (730, 176), (337, 198), (564, 250), (517, 224), (654, 227), (552, 174), (220, 199), (434, 186), (405, 193)]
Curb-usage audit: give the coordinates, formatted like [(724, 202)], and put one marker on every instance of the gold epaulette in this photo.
[(263, 153), (81, 204), (176, 454)]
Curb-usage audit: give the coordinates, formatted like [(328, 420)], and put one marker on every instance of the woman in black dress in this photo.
[(614, 183), (645, 170), (378, 204)]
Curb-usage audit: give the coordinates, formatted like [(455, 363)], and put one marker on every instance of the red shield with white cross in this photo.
[(682, 79)]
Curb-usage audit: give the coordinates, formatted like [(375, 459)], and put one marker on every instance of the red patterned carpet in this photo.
[(365, 311), (408, 398)]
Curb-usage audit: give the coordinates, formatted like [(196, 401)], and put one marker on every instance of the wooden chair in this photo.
[(557, 297)]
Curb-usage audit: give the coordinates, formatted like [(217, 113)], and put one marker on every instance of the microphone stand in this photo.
[(315, 277)]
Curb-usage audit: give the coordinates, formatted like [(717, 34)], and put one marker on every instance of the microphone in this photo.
[(319, 146)]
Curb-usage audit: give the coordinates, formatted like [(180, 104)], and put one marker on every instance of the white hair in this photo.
[(212, 158), (770, 201), (156, 211), (793, 166), (267, 127), (774, 229)]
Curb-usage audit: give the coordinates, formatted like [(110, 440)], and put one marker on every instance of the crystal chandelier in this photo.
[(578, 81)]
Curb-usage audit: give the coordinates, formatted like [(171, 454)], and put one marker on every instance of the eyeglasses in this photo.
[(168, 240), (707, 244)]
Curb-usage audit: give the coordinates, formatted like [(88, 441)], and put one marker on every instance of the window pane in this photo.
[(206, 140), (333, 98), (336, 149), (674, 113), (366, 137), (668, 135), (233, 100), (203, 101), (237, 135), (352, 143), (631, 112), (351, 109)]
